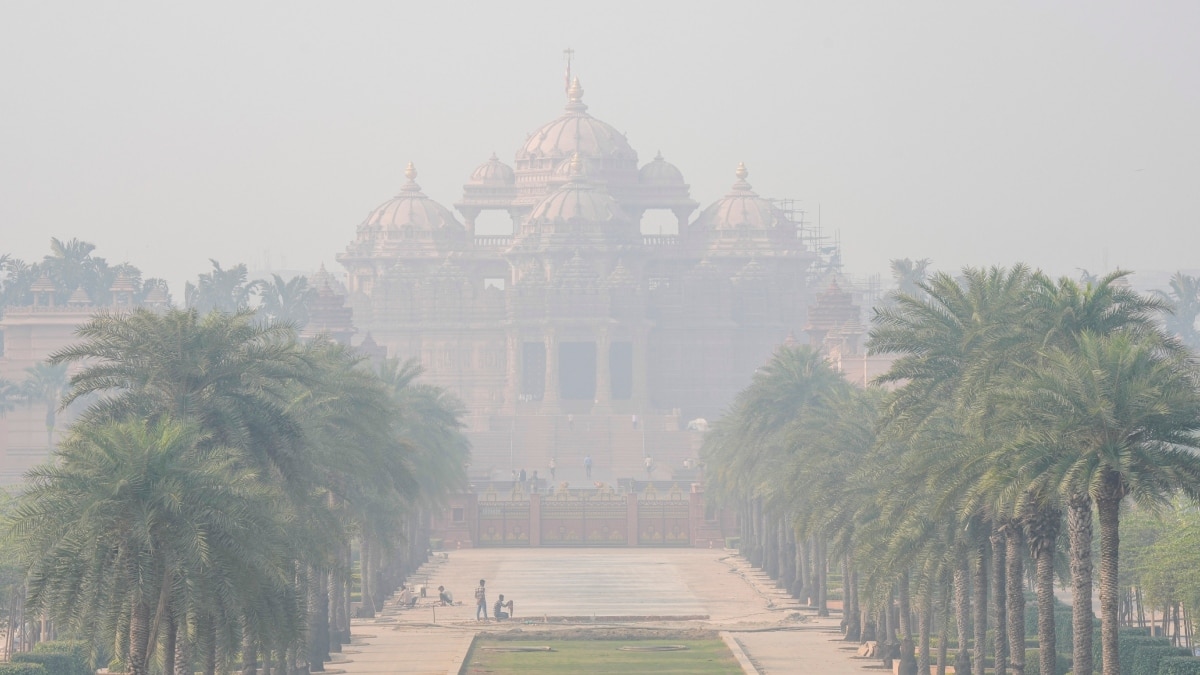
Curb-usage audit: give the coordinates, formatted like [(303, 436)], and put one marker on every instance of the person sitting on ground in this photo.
[(498, 610), (407, 599), (445, 596)]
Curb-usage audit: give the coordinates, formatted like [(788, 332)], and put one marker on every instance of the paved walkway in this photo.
[(670, 588)]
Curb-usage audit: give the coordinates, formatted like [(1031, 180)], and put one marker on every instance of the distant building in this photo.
[(577, 312)]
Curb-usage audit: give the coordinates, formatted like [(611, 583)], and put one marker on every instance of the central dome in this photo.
[(574, 132)]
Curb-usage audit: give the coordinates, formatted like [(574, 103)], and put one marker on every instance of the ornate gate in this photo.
[(503, 522), (581, 519), (665, 521)]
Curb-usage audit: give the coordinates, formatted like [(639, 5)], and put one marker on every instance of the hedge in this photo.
[(1179, 665), (21, 669), (54, 664), (1033, 665), (1146, 660)]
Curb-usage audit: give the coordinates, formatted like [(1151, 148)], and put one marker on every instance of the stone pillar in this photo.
[(641, 400), (631, 519), (512, 368), (550, 398), (603, 374), (535, 520)]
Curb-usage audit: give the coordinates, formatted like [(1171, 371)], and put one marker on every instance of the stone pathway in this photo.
[(669, 588)]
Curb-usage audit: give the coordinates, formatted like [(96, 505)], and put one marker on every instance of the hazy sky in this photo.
[(1061, 134)]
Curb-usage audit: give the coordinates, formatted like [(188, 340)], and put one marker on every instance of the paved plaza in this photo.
[(567, 588)]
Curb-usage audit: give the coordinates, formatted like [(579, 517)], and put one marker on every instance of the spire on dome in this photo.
[(575, 97), (410, 172), (741, 173)]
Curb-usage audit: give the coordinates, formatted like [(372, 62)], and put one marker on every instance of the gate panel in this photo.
[(503, 523), (664, 522), (575, 520)]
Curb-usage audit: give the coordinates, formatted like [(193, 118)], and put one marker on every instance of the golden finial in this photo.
[(575, 91), (741, 172), (658, 156), (410, 172), (576, 166)]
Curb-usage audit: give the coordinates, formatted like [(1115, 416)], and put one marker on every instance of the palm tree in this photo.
[(1120, 414), (130, 506), (46, 383), (223, 372), (909, 274), (1184, 299), (224, 290), (953, 342), (1062, 311), (287, 301)]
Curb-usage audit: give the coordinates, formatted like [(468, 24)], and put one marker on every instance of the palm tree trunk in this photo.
[(366, 592), (1047, 649), (249, 652), (850, 611), (170, 633), (183, 653), (800, 587), (1079, 532), (312, 591), (979, 577), (908, 659), (822, 579), (139, 636), (945, 601), (962, 616), (1015, 598), (999, 543), (1108, 506), (925, 626)]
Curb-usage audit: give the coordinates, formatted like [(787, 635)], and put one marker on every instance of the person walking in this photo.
[(553, 466), (587, 465), (481, 600)]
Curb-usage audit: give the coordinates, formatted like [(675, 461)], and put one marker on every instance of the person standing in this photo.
[(522, 477), (481, 600), (587, 465), (649, 468), (553, 466)]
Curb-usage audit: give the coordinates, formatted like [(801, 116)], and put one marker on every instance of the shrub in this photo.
[(21, 668), (1128, 647), (78, 650), (1179, 665), (1147, 658), (53, 664)]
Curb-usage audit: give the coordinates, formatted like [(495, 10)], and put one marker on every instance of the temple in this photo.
[(577, 332)]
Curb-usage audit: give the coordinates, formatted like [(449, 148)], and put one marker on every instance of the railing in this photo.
[(660, 239), (493, 240)]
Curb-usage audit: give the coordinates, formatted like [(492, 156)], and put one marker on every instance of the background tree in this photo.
[(286, 300), (225, 290), (46, 384), (1184, 298)]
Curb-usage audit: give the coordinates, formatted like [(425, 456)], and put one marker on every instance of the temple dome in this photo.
[(660, 172), (741, 208), (493, 173), (575, 132), (578, 201), (409, 220)]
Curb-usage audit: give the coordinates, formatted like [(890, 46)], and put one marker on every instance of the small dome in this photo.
[(576, 132), (493, 173), (741, 208), (409, 220), (578, 202), (660, 172)]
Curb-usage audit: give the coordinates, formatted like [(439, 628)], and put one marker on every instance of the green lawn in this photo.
[(585, 657)]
